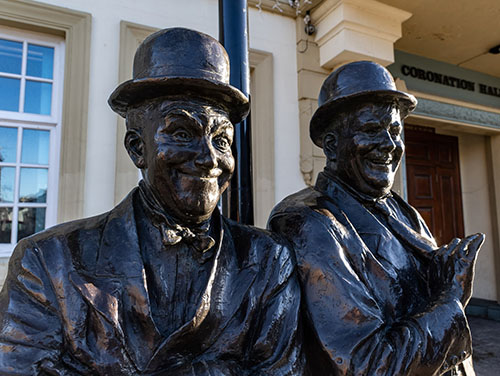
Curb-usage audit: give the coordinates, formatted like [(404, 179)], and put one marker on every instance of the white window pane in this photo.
[(5, 224), (33, 185), (8, 144), (38, 97), (30, 220), (40, 61), (9, 94), (7, 181), (35, 147), (11, 56)]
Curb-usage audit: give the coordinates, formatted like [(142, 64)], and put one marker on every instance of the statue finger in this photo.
[(474, 244), (453, 247)]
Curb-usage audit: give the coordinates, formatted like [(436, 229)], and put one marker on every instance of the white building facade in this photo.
[(62, 144)]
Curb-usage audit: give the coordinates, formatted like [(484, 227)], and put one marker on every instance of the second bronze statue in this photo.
[(380, 297)]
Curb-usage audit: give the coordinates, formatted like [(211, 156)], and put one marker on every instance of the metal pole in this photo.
[(233, 34)]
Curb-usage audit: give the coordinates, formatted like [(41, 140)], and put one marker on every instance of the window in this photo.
[(31, 71)]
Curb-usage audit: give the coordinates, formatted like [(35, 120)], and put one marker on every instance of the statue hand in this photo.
[(459, 258)]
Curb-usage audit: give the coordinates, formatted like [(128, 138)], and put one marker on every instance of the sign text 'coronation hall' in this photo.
[(446, 80)]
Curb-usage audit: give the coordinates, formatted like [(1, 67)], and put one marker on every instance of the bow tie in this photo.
[(171, 232), (198, 239)]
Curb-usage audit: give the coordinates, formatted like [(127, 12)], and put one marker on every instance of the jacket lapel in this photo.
[(217, 306), (117, 289), (170, 351), (365, 245)]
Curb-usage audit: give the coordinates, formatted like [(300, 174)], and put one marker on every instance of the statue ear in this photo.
[(330, 143), (135, 148)]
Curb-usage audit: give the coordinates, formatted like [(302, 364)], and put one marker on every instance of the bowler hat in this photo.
[(184, 63), (358, 82)]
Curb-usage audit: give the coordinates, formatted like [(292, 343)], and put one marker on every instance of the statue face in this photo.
[(187, 157), (369, 149)]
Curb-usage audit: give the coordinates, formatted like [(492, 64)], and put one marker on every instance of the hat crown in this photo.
[(180, 52), (180, 63), (356, 78)]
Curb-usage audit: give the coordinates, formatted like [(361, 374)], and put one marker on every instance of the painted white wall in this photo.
[(276, 34)]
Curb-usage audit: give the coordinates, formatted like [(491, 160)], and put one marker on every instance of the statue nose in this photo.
[(387, 143), (206, 158)]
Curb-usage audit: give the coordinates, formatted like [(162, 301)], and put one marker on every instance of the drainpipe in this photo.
[(237, 202)]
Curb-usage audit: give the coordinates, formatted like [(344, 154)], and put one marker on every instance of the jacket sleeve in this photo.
[(276, 347), (348, 326), (30, 328)]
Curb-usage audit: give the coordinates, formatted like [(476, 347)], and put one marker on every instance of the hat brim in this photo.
[(327, 112), (133, 92)]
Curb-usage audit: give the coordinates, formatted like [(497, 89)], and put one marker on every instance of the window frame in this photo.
[(52, 123)]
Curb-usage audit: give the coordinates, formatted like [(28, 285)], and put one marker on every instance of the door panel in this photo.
[(451, 203), (421, 192), (433, 179)]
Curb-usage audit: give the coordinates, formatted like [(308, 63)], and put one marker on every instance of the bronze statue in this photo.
[(380, 298), (162, 284)]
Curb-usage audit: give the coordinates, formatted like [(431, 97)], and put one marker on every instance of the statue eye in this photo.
[(221, 143), (395, 131), (182, 135), (372, 131)]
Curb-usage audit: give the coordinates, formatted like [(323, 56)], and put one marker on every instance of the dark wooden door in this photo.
[(433, 180)]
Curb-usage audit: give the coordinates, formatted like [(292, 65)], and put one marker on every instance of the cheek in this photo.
[(361, 146), (226, 163), (172, 154), (400, 147), (399, 150)]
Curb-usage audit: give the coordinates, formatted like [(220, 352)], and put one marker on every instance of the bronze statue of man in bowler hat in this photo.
[(380, 298), (162, 284)]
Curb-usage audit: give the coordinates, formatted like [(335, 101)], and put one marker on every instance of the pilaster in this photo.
[(351, 30)]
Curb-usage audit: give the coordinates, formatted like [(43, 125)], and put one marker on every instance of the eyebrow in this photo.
[(184, 113), (221, 124)]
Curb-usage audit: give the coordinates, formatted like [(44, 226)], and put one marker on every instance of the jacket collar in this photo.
[(351, 204), (386, 231)]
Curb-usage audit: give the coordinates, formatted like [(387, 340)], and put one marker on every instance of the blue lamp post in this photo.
[(233, 34)]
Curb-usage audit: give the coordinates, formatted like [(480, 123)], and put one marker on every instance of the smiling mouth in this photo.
[(202, 177), (381, 162)]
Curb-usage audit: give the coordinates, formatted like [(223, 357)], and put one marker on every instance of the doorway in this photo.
[(433, 181)]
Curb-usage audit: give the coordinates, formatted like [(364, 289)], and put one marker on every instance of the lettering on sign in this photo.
[(438, 78)]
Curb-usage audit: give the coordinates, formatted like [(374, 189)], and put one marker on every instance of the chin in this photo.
[(375, 185), (382, 187), (195, 208)]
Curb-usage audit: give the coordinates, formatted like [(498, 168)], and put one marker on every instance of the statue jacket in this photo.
[(371, 288), (76, 302)]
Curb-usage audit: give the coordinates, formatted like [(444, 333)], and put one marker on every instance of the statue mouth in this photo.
[(202, 176), (381, 161)]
